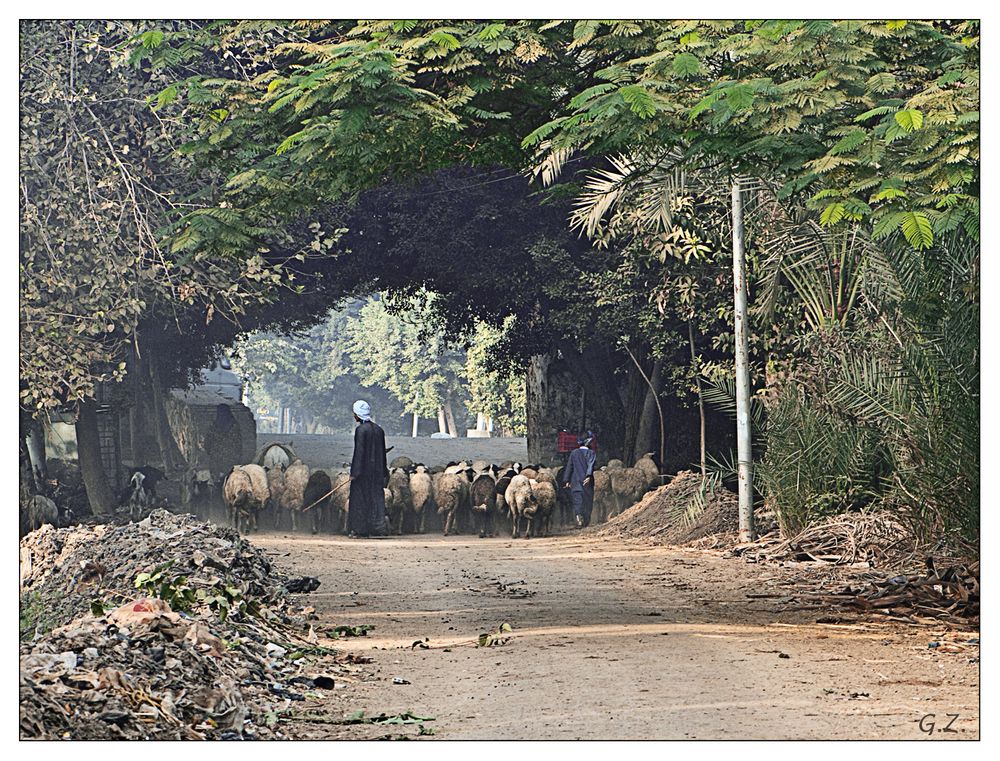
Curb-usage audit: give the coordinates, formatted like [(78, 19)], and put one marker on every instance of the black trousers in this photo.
[(583, 502)]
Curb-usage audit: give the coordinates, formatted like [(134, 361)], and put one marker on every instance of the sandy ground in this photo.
[(322, 450), (612, 641)]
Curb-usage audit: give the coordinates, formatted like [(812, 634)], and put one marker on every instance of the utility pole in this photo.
[(743, 440)]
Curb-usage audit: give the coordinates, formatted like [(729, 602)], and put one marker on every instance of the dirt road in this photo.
[(614, 641)]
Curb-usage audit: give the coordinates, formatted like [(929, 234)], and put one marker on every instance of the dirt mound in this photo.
[(673, 514), (169, 628)]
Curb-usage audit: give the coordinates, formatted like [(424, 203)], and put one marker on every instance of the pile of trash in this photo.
[(169, 628), (63, 571), (683, 511)]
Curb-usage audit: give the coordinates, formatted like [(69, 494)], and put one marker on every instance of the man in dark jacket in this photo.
[(366, 514), (580, 480)]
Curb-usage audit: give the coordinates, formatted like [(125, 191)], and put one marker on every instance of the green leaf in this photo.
[(910, 119), (888, 194), (916, 229), (686, 64), (882, 82), (581, 98), (491, 31), (739, 97), (165, 96), (849, 142), (886, 225), (152, 38), (832, 214), (639, 100)]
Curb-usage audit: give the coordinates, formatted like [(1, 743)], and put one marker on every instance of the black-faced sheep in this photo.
[(503, 481), (483, 498), (401, 462), (197, 487), (316, 498)]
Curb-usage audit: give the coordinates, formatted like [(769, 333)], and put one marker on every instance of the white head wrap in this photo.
[(363, 410)]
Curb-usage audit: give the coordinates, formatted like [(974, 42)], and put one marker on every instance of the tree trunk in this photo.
[(648, 438), (26, 478), (555, 390), (594, 370), (416, 422), (170, 454), (701, 400), (142, 425), (633, 395), (35, 443), (449, 415), (442, 424), (88, 446)]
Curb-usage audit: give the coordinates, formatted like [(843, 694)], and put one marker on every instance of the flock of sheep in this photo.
[(465, 495)]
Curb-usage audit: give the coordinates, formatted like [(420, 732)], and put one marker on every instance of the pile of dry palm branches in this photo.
[(878, 539)]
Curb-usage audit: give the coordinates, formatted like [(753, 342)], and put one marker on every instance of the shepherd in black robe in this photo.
[(366, 515)]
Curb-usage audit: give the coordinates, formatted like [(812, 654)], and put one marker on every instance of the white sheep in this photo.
[(520, 500), (276, 488), (450, 491), (628, 485), (421, 494), (296, 478), (602, 495), (245, 492), (275, 457), (547, 475), (545, 497), (647, 466)]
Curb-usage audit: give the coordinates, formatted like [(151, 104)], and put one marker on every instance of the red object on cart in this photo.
[(568, 442)]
